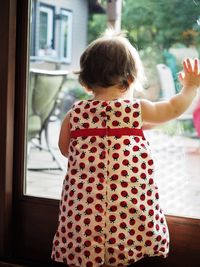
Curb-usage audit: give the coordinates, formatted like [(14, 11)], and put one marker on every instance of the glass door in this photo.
[(47, 52), (46, 89)]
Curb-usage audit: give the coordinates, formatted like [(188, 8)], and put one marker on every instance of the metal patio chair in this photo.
[(44, 89)]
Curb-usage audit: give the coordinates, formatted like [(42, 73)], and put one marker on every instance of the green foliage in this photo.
[(178, 127), (96, 25), (153, 26), (74, 89), (170, 128), (161, 22)]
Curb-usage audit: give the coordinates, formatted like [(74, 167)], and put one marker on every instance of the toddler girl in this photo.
[(109, 211)]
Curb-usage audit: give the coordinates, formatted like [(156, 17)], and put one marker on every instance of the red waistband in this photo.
[(106, 131)]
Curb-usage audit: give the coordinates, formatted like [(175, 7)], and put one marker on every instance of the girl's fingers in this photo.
[(196, 66), (180, 76), (189, 65), (185, 67)]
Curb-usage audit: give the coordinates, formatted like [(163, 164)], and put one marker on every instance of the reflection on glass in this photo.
[(53, 89), (43, 30), (66, 21), (46, 27)]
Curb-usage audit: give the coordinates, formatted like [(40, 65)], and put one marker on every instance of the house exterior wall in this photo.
[(79, 9)]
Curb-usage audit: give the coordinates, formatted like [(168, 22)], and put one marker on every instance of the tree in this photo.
[(157, 22), (160, 22), (96, 26), (97, 21)]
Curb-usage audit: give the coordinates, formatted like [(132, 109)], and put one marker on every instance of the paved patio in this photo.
[(178, 168)]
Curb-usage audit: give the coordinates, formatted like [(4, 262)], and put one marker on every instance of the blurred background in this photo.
[(164, 32)]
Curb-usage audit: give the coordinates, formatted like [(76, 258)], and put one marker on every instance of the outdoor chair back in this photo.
[(44, 89), (43, 94)]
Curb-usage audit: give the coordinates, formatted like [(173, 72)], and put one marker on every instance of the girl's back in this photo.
[(109, 210)]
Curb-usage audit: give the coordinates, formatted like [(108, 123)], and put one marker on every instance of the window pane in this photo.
[(66, 27), (43, 30), (65, 36), (165, 35), (177, 169), (52, 90), (162, 47)]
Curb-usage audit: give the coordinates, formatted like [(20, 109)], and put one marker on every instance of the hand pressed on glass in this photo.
[(159, 112), (190, 78)]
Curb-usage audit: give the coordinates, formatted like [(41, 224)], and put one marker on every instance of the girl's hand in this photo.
[(159, 112), (190, 77)]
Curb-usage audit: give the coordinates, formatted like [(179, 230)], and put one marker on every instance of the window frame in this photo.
[(68, 13), (49, 9), (8, 66), (33, 220)]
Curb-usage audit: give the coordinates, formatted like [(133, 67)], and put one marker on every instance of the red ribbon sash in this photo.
[(106, 131)]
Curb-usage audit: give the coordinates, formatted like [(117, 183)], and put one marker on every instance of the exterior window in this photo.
[(66, 35), (46, 31), (32, 27), (51, 36)]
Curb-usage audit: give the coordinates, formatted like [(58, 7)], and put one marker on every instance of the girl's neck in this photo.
[(111, 93)]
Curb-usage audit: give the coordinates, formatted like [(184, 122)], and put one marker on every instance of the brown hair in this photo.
[(109, 60)]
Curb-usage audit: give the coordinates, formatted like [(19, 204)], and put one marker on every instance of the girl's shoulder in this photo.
[(134, 103), (77, 104), (86, 102)]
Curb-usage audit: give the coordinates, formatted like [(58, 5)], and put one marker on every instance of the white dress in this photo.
[(109, 210)]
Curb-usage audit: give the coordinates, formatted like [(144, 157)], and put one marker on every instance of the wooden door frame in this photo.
[(7, 89), (27, 220)]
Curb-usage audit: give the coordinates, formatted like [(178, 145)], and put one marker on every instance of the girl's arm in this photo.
[(64, 137), (164, 111)]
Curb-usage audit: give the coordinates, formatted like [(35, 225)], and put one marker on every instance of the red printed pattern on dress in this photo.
[(109, 210)]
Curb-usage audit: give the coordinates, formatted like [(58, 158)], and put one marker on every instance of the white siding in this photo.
[(79, 10)]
